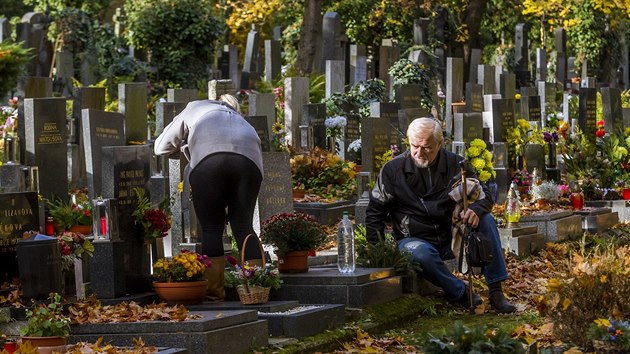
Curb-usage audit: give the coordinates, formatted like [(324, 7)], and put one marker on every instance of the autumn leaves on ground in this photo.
[(561, 292)]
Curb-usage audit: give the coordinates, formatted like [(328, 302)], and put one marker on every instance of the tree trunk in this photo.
[(309, 34), (472, 18)]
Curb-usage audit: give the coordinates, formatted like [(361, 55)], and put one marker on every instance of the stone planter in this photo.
[(46, 345)]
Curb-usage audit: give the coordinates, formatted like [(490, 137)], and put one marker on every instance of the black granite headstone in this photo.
[(474, 97), (611, 106), (530, 108), (468, 126), (502, 117), (389, 110), (409, 95), (314, 117), (587, 119), (352, 133), (132, 103), (375, 141), (260, 124), (19, 212)]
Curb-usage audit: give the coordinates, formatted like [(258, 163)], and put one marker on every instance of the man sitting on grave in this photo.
[(412, 191)]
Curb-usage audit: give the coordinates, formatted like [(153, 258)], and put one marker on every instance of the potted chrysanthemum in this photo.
[(180, 279)]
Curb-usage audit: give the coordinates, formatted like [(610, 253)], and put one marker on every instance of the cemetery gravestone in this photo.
[(216, 88), (375, 141), (182, 95), (275, 195), (5, 29), (389, 110), (314, 118), (611, 106), (296, 95), (409, 96), (260, 125), (335, 76), (100, 129), (468, 126), (474, 98), (507, 85), (263, 104), (84, 98), (30, 87), (389, 53), (46, 137), (485, 77), (132, 103), (358, 64), (125, 168), (19, 212), (352, 132), (541, 64), (587, 119), (530, 108), (165, 112), (273, 59), (502, 117), (454, 92), (475, 60), (250, 68), (521, 58)]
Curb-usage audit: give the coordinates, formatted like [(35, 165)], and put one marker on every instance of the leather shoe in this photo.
[(500, 303), (465, 299)]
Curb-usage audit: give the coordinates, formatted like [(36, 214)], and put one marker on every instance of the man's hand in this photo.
[(470, 218)]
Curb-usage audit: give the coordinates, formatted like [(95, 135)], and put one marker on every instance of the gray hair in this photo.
[(422, 124), (232, 101)]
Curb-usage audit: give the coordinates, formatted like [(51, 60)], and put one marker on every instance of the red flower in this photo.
[(600, 133), (600, 123)]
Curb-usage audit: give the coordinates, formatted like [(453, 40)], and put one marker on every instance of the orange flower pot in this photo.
[(181, 293), (81, 229), (293, 262)]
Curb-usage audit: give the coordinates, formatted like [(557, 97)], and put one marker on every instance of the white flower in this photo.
[(355, 146), (335, 122)]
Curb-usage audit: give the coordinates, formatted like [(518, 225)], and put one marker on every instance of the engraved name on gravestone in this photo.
[(502, 117), (19, 212), (100, 129), (132, 103), (530, 108), (30, 87), (46, 139), (409, 95), (375, 141), (468, 126), (389, 110), (587, 118), (611, 106), (260, 125), (474, 97), (314, 117), (275, 194), (352, 132)]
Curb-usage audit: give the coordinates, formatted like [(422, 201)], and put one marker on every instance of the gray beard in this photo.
[(421, 164)]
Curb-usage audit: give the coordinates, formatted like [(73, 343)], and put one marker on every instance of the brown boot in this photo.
[(216, 279)]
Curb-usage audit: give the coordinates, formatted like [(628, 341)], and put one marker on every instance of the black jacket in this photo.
[(427, 216)]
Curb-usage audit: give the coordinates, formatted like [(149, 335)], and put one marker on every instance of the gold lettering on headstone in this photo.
[(107, 133), (127, 181), (50, 134), (16, 212), (9, 228)]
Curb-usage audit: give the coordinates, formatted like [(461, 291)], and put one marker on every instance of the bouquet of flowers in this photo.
[(155, 221), (481, 160), (335, 125), (186, 266), (251, 275), (73, 245)]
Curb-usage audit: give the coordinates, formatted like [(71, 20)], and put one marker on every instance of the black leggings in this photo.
[(226, 180)]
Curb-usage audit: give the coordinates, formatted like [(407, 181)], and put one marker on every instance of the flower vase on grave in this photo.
[(11, 149)]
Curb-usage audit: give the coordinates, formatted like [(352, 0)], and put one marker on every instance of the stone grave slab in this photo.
[(555, 225), (216, 332), (325, 213), (287, 318), (366, 286), (597, 219), (522, 241), (621, 207)]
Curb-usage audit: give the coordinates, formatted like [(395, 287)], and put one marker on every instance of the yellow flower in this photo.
[(603, 279), (473, 151), (484, 176), (517, 96), (478, 163), (487, 155), (523, 124), (602, 322), (277, 128), (628, 141), (478, 143), (189, 274)]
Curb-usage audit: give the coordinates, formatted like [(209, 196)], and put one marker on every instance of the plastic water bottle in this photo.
[(345, 246)]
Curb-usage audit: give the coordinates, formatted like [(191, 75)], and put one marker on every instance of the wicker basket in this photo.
[(256, 294), (253, 294)]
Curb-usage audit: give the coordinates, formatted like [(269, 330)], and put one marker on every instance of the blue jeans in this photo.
[(436, 272)]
